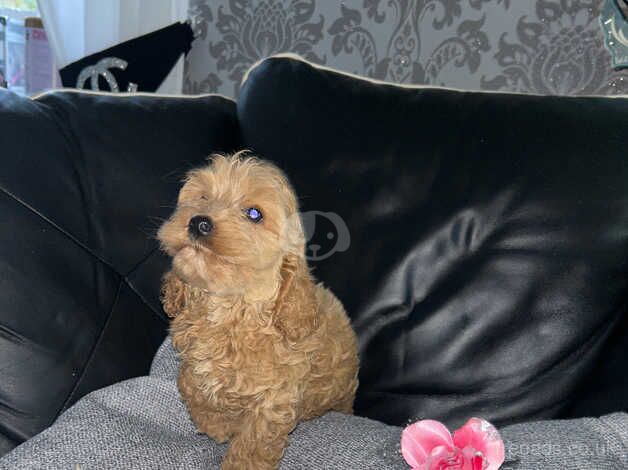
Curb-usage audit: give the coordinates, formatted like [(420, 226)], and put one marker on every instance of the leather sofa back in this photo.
[(478, 241), (487, 267), (85, 180)]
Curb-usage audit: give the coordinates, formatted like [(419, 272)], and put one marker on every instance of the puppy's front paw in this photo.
[(216, 428), (260, 442), (219, 435)]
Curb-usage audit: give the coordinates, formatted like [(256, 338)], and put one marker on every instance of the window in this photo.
[(26, 5), (18, 9)]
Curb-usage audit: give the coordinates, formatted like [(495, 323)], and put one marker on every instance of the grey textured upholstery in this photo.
[(142, 424)]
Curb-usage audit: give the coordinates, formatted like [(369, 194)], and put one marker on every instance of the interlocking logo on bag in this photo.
[(101, 69)]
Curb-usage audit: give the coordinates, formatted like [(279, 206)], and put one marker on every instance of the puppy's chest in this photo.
[(239, 358), (243, 349)]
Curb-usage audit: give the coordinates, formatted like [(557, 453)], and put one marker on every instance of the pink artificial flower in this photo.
[(428, 445)]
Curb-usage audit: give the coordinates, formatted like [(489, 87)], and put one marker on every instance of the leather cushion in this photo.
[(85, 180), (486, 271)]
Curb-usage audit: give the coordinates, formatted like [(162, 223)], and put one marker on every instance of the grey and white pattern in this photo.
[(530, 46), (558, 51)]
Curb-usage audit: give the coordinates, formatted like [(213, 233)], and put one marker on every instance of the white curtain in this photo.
[(77, 28)]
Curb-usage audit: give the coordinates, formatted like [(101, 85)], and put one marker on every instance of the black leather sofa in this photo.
[(487, 267)]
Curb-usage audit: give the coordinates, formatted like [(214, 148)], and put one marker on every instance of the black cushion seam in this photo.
[(27, 206), (58, 228), (141, 262), (92, 352), (74, 147), (13, 438), (159, 314)]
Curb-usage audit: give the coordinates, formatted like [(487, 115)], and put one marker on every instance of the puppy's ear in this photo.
[(172, 294), (296, 312)]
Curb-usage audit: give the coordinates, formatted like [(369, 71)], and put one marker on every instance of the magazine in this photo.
[(39, 65), (14, 55)]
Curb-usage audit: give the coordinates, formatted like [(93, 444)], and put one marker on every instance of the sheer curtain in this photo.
[(77, 28)]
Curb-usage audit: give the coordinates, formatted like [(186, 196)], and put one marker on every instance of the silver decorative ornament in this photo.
[(101, 68), (615, 29)]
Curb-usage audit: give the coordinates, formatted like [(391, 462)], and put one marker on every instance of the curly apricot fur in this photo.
[(262, 346)]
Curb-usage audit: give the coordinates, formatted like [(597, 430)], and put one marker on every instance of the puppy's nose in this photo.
[(200, 226)]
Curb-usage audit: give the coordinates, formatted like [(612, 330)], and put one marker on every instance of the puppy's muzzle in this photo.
[(200, 226)]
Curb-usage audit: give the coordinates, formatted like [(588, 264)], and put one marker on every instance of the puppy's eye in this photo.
[(204, 198), (254, 214)]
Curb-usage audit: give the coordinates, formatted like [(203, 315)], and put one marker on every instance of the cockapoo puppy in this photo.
[(262, 346)]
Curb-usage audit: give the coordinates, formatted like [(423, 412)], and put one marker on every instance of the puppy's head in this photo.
[(235, 223)]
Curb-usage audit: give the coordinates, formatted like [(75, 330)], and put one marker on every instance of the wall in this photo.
[(533, 46)]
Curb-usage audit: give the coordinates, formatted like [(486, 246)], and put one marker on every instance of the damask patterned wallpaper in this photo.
[(533, 46)]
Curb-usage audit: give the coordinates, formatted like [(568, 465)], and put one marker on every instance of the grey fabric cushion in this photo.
[(578, 444), (142, 424)]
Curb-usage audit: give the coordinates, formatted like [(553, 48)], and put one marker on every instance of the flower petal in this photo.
[(442, 458), (418, 440), (482, 436), (474, 459)]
